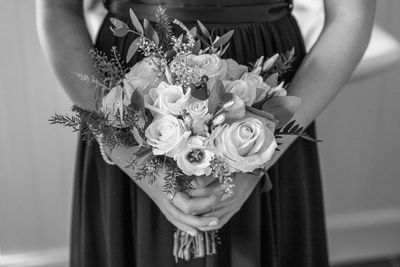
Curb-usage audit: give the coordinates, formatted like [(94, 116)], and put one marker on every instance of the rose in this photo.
[(167, 135), (250, 88), (246, 144), (195, 158), (147, 69), (210, 65), (234, 70), (120, 96), (256, 83), (167, 99), (241, 89), (198, 111)]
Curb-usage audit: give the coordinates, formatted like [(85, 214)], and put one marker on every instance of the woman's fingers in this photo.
[(195, 205), (202, 181), (194, 221), (213, 188), (181, 226)]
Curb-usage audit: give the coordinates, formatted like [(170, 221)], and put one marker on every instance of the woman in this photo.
[(120, 222)]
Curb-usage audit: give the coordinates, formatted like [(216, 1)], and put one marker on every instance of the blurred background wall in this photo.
[(359, 156)]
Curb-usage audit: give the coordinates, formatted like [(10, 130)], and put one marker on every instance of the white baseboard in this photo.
[(363, 236), (48, 258)]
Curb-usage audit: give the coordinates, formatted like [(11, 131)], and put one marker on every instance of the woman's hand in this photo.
[(180, 211), (244, 186)]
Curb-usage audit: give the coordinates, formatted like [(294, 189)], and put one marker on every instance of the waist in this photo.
[(208, 14)]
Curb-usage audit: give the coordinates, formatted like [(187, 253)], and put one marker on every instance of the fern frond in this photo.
[(292, 128), (164, 28)]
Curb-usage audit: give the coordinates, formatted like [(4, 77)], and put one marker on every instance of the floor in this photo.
[(392, 262)]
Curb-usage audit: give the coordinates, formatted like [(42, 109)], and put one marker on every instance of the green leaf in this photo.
[(282, 108), (218, 97), (204, 30), (273, 80), (135, 22), (196, 47), (121, 28), (223, 51), (119, 32), (204, 41), (137, 136), (237, 111), (137, 102), (224, 39), (132, 49), (150, 33), (118, 23), (193, 31), (261, 113)]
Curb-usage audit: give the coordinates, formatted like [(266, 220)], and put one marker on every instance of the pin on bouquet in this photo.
[(187, 111)]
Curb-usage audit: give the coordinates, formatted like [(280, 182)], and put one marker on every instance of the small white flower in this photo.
[(195, 158)]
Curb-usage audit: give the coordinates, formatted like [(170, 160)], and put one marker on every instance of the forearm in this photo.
[(66, 42), (328, 66)]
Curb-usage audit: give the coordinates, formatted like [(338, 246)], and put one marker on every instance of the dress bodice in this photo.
[(198, 2), (218, 11)]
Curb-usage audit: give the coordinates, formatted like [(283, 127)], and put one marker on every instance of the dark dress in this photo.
[(115, 224)]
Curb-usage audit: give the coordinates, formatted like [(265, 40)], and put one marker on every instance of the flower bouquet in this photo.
[(186, 111)]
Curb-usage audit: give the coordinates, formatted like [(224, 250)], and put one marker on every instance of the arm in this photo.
[(322, 74), (65, 40), (332, 60)]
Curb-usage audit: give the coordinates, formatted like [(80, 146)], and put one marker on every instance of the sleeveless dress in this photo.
[(115, 224)]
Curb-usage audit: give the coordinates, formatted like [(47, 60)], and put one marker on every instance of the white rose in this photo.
[(148, 70), (251, 88), (246, 144), (167, 98), (234, 70), (120, 96), (195, 158), (198, 111), (210, 65), (241, 89), (167, 135), (256, 83)]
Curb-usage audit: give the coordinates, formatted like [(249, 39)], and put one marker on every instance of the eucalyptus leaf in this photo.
[(119, 32), (218, 97), (282, 108), (273, 80), (270, 62), (135, 22), (137, 136), (237, 111), (261, 113), (223, 51), (196, 47), (132, 49), (204, 30), (137, 102), (119, 24), (224, 39), (193, 31), (150, 33), (204, 41), (261, 116)]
